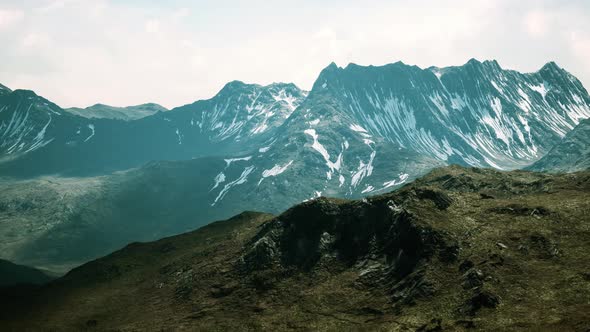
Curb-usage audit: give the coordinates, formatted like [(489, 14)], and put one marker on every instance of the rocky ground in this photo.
[(460, 249)]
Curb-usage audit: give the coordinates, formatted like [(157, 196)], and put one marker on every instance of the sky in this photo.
[(128, 52)]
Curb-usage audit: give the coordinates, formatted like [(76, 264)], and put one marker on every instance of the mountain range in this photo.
[(95, 184)]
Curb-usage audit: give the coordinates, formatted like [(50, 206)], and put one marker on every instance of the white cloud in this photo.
[(536, 23), (581, 45), (53, 5), (152, 26), (9, 17), (36, 40), (181, 13)]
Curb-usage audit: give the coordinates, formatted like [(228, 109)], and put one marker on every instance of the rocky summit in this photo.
[(459, 249)]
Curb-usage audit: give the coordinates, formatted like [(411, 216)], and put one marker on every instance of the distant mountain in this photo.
[(26, 121), (13, 274), (240, 112), (4, 89), (100, 111), (37, 137), (363, 130), (477, 114), (460, 249), (570, 155)]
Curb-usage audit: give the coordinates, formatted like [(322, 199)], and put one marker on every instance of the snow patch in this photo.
[(282, 96), (525, 102), (368, 189), (241, 180), (179, 137), (229, 161), (364, 170), (357, 128), (276, 170), (497, 87), (220, 178), (91, 127), (401, 179), (322, 150), (264, 149), (541, 89)]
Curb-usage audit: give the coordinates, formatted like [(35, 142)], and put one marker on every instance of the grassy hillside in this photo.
[(459, 249)]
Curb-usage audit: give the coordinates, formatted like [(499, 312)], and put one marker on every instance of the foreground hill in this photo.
[(458, 249), (13, 274)]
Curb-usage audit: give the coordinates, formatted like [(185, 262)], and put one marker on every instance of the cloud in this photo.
[(181, 13), (152, 26), (536, 23), (581, 45), (9, 17), (36, 40), (78, 53), (56, 5)]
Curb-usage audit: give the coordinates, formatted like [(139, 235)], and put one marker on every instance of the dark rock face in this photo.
[(387, 243), (481, 299)]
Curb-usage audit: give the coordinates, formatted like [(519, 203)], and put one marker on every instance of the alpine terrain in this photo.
[(96, 184)]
